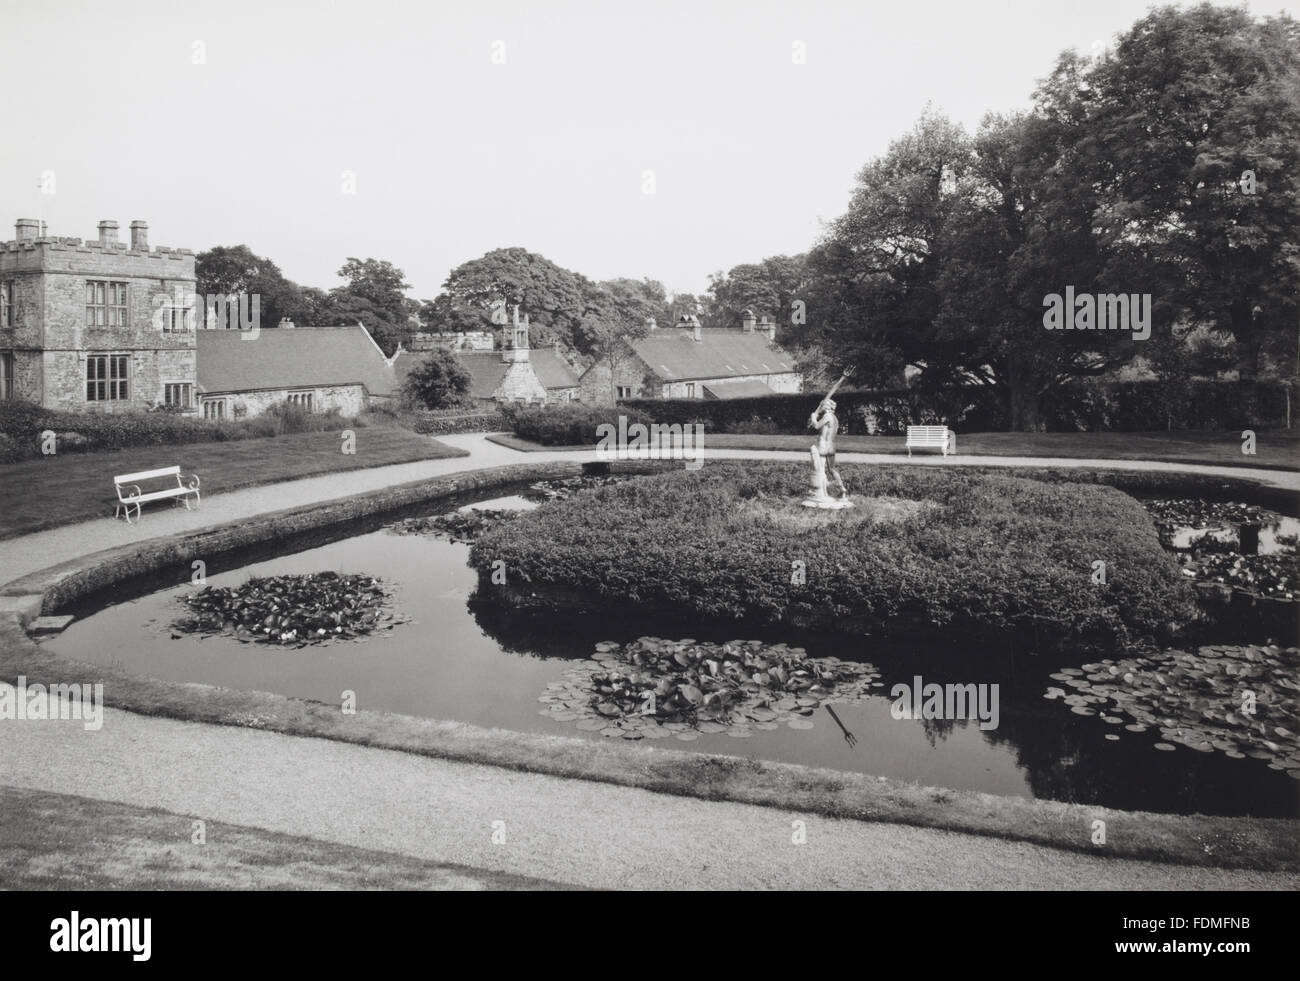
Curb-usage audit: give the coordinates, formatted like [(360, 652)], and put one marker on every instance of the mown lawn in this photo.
[(59, 490), (1274, 449), (57, 841)]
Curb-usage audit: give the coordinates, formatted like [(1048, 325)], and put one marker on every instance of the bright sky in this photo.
[(240, 121)]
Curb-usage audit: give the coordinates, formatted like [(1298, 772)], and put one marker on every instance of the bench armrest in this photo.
[(193, 482), (135, 492)]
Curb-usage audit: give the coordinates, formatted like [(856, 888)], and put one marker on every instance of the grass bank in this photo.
[(62, 842), (67, 488)]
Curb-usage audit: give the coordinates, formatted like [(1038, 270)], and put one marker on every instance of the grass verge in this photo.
[(62, 842), (63, 489)]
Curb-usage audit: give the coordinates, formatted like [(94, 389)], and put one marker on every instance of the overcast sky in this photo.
[(239, 122)]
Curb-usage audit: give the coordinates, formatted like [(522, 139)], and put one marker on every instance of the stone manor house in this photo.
[(108, 326)]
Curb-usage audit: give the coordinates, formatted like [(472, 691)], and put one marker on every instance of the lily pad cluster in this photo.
[(654, 688), (1198, 700), (1173, 515), (562, 489), (298, 610), (1215, 559), (1274, 576), (457, 526)]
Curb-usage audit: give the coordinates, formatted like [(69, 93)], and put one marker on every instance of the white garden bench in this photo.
[(134, 489), (927, 437)]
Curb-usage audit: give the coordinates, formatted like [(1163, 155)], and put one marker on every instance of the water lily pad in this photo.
[(800, 724), (1166, 747)]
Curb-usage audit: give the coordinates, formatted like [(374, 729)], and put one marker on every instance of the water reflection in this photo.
[(466, 659)]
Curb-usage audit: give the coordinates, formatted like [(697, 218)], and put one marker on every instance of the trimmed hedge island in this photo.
[(925, 550)]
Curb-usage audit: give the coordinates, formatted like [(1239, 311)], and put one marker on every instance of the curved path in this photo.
[(565, 830), (28, 553)]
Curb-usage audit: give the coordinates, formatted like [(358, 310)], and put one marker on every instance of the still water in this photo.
[(461, 659)]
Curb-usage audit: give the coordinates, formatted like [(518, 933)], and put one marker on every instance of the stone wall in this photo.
[(350, 400), (594, 387)]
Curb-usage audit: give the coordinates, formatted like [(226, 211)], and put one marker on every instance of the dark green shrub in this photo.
[(996, 553), (22, 423), (1145, 406), (861, 412), (567, 425), (438, 380), (435, 424)]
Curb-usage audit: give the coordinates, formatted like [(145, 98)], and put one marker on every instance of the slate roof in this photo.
[(675, 355), (487, 370), (737, 390), (551, 369), (304, 357)]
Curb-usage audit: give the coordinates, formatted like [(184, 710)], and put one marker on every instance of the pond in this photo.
[(458, 658)]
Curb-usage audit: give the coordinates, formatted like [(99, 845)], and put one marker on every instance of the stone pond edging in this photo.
[(1256, 843)]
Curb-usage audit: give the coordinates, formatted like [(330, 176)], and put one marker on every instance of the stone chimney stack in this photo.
[(747, 321), (695, 328), (517, 350), (108, 232), (140, 236), (26, 229), (768, 326)]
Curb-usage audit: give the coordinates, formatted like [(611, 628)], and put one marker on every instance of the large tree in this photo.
[(611, 321), (555, 298), (235, 269), (767, 288), (1188, 103)]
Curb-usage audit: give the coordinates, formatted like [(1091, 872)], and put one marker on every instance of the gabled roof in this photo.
[(551, 369), (301, 357), (736, 390), (675, 355), (487, 370)]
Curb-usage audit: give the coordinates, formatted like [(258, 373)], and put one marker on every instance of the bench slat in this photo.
[(130, 478), (158, 495)]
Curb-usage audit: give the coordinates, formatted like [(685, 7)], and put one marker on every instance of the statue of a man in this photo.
[(827, 425)]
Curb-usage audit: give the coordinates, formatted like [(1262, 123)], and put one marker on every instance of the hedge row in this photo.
[(1138, 406), (436, 424), (567, 425), (998, 554), (1079, 406), (860, 411), (23, 423)]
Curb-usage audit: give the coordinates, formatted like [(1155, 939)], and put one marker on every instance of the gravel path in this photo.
[(565, 830)]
